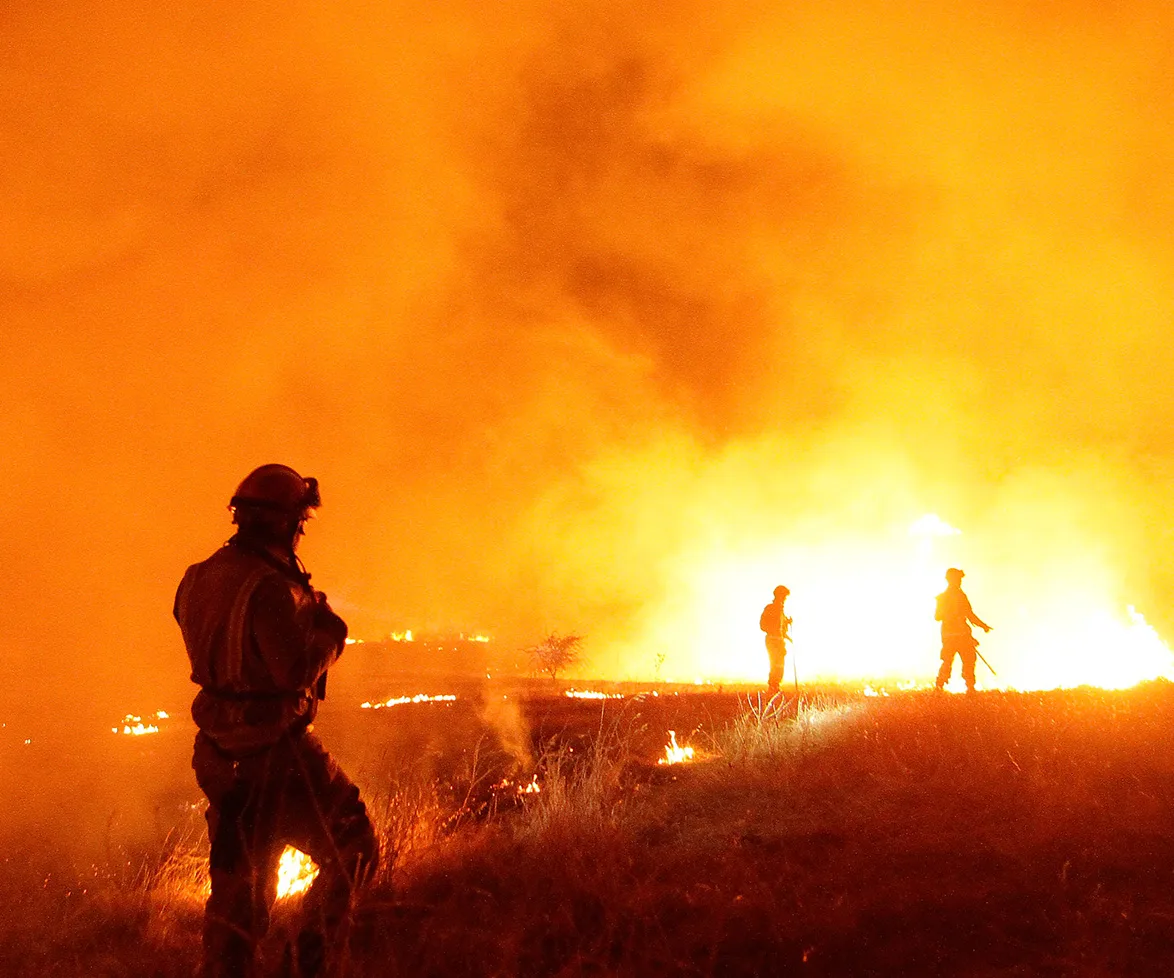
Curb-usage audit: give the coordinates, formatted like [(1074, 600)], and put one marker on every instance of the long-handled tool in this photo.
[(985, 663), (794, 663)]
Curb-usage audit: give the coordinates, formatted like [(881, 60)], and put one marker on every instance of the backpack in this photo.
[(769, 621)]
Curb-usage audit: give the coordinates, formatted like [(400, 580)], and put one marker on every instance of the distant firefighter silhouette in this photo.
[(260, 640), (956, 616), (776, 624)]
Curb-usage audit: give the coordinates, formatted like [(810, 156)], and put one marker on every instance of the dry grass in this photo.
[(780, 728), (916, 835), (912, 835)]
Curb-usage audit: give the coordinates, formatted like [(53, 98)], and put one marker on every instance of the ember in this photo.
[(295, 873), (674, 754)]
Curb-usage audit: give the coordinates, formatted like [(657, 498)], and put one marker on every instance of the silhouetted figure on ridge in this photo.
[(956, 616), (260, 639), (776, 624)]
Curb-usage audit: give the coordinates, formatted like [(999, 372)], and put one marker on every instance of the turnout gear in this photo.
[(259, 641), (776, 624), (292, 793), (956, 615)]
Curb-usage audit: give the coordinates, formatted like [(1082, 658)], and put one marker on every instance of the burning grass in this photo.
[(135, 726), (907, 834), (404, 700)]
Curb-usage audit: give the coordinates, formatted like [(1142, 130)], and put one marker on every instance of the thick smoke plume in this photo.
[(568, 306)]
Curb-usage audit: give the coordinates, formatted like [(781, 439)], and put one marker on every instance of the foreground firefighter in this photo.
[(776, 624), (260, 640), (956, 616)]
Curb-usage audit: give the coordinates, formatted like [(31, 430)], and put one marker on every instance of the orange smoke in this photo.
[(602, 318)]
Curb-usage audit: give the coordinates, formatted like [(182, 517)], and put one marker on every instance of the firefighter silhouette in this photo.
[(956, 616), (260, 640), (775, 623)]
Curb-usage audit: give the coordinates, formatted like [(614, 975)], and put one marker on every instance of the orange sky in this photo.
[(545, 294)]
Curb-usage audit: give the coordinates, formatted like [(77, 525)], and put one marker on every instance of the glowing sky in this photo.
[(568, 304)]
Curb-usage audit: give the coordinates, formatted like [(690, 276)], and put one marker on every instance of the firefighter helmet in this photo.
[(277, 489), (954, 573), (782, 590)]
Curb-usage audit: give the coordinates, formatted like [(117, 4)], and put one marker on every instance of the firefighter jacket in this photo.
[(258, 638), (954, 612)]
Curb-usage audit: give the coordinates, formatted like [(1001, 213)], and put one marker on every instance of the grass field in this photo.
[(917, 834)]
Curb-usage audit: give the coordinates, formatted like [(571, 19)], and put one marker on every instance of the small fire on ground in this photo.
[(904, 687), (295, 873), (401, 700), (531, 787), (674, 753), (136, 726), (591, 694)]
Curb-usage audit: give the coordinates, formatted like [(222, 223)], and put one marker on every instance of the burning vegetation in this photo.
[(296, 873), (402, 700), (675, 754), (591, 694), (519, 787), (135, 726)]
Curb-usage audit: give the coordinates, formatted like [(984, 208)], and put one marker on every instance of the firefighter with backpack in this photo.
[(775, 623)]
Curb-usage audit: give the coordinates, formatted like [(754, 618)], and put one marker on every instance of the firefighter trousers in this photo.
[(292, 793), (776, 650), (966, 648)]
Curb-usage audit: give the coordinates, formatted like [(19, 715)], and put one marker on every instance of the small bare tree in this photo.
[(555, 653)]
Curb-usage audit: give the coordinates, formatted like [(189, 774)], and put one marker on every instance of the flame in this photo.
[(904, 687), (674, 754), (863, 610), (135, 726), (531, 787), (591, 694), (401, 700), (295, 873)]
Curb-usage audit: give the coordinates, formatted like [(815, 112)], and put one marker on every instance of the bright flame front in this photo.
[(863, 609)]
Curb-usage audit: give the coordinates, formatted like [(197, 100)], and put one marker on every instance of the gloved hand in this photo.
[(328, 621)]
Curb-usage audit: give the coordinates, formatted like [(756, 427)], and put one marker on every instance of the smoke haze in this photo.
[(565, 304)]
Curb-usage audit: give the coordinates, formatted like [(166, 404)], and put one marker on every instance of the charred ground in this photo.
[(996, 835)]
